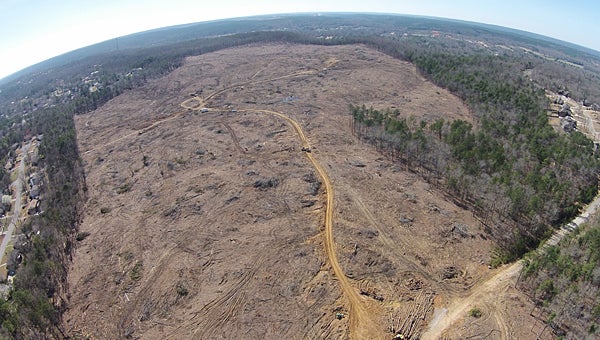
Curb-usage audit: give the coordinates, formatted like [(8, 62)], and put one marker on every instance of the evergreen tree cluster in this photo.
[(518, 175)]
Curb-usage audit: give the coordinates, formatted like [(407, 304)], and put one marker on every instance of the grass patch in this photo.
[(127, 256)]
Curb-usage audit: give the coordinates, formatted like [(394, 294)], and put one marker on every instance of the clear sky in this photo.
[(35, 30)]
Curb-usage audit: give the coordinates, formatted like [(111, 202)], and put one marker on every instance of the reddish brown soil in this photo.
[(182, 245)]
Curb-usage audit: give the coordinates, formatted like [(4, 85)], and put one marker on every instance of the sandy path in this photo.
[(360, 322), (361, 325), (484, 295), (489, 294)]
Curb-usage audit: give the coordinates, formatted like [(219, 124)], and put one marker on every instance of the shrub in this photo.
[(181, 290), (82, 235), (136, 272), (475, 312), (125, 187)]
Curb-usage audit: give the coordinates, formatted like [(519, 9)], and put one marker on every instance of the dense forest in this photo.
[(564, 281), (518, 175)]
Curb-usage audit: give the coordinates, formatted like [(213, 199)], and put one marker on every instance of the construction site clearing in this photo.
[(208, 213)]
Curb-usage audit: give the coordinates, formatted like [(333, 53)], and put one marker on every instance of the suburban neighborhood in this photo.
[(19, 201)]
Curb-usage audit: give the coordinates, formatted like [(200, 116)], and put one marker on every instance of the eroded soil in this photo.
[(209, 223)]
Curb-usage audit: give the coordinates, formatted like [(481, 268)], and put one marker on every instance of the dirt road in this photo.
[(360, 322), (482, 296), (488, 295), (215, 257)]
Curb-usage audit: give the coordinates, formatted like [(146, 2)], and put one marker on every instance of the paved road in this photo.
[(18, 185)]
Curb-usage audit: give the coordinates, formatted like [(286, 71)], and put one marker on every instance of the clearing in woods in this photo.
[(207, 221)]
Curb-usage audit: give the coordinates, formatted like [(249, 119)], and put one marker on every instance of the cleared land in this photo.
[(210, 223)]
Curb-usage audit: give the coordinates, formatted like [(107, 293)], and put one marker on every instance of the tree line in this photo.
[(519, 176)]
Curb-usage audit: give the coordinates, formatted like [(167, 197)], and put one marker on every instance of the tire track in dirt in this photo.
[(395, 246), (203, 101), (137, 132), (361, 325), (485, 295), (236, 141), (128, 314), (229, 304), (215, 314), (504, 331)]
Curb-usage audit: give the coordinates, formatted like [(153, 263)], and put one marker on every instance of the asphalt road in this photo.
[(18, 185)]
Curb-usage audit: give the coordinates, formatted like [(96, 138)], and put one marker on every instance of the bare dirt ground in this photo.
[(210, 223), (588, 120)]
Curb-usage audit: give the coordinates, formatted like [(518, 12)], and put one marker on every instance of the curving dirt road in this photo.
[(202, 101), (361, 325), (360, 322), (488, 293)]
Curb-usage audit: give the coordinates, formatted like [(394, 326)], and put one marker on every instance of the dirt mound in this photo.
[(206, 221)]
